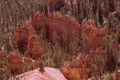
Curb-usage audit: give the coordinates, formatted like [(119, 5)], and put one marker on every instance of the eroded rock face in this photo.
[(29, 64), (34, 48), (3, 59), (65, 27), (21, 36), (95, 35), (38, 22), (56, 4), (15, 63), (82, 66), (59, 29), (118, 75), (3, 55), (77, 69), (48, 74)]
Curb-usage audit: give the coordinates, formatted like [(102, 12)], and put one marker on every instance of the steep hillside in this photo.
[(80, 39)]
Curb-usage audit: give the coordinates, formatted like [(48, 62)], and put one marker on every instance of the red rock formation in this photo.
[(56, 24), (82, 66), (19, 64), (15, 63), (75, 74), (27, 60), (3, 59), (61, 26), (59, 29), (21, 36), (55, 4), (118, 75), (77, 69), (35, 64), (95, 34), (29, 64), (38, 22), (3, 55), (99, 54), (34, 48)]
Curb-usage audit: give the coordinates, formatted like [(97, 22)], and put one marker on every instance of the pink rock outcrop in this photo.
[(48, 74)]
